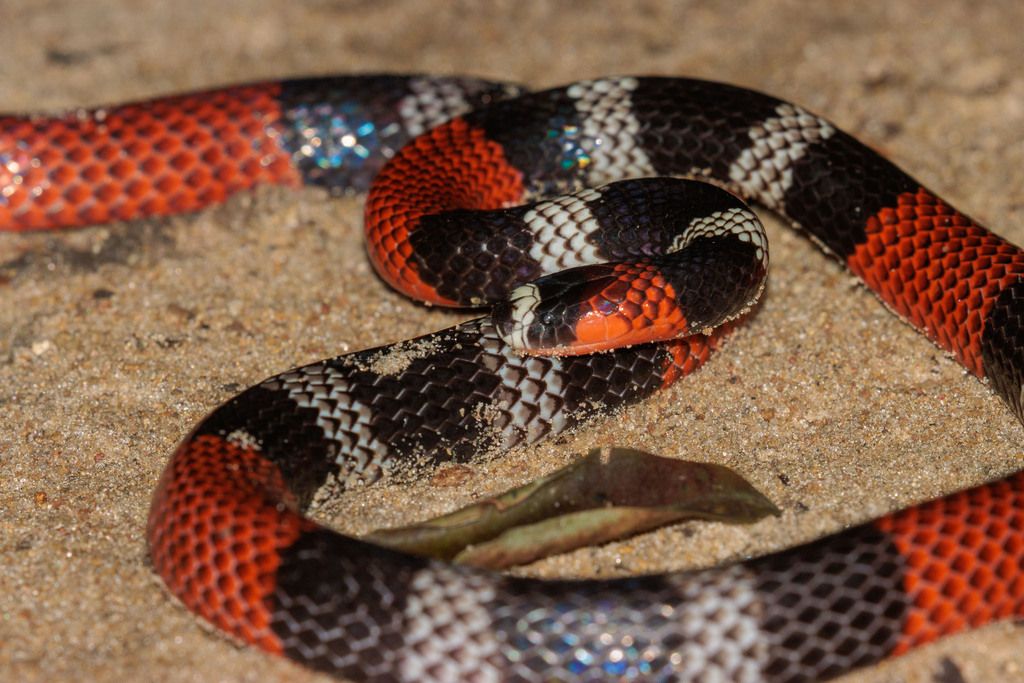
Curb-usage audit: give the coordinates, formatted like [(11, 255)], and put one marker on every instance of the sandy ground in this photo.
[(114, 340)]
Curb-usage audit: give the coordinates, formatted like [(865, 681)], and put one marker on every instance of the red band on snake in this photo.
[(463, 215)]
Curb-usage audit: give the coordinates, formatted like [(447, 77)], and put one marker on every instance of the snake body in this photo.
[(444, 223)]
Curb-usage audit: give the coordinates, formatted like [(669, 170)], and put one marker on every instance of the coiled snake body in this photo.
[(226, 532)]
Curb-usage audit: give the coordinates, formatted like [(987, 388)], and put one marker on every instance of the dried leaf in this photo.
[(608, 494)]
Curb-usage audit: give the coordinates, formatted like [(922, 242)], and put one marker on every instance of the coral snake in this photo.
[(586, 263)]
